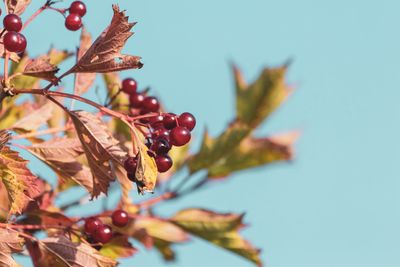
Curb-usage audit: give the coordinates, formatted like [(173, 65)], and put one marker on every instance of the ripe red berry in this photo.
[(130, 164), (136, 100), (103, 234), (164, 163), (78, 7), (91, 225), (161, 133), (161, 146), (169, 120), (73, 22), (12, 23), (120, 218), (131, 176), (14, 42), (148, 141), (151, 104), (187, 120), (157, 121), (180, 136), (129, 86)]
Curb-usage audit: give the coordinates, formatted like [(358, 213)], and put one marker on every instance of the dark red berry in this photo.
[(120, 218), (169, 120), (179, 136), (73, 22), (12, 23), (91, 225), (157, 121), (14, 42), (130, 164), (187, 120), (148, 141), (136, 100), (129, 86), (151, 104), (103, 234), (161, 146), (161, 133), (164, 163), (131, 176), (78, 7)]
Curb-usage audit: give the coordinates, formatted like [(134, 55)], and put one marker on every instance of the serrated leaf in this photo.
[(84, 80), (46, 217), (34, 119), (17, 6), (105, 53), (58, 56), (10, 242), (146, 171), (219, 229), (41, 68), (101, 149), (118, 247), (255, 102)]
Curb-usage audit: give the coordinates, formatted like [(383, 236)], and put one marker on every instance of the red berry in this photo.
[(14, 42), (148, 141), (151, 104), (161, 133), (131, 176), (129, 86), (161, 146), (164, 163), (12, 23), (187, 120), (169, 121), (103, 234), (73, 22), (78, 7), (91, 225), (136, 100), (180, 136), (130, 164), (157, 121), (120, 218)]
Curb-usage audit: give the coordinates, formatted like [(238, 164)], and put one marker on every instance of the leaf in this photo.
[(45, 217), (257, 101), (84, 80), (10, 242), (61, 155), (105, 53), (41, 68), (17, 6), (219, 229), (113, 84), (20, 183), (253, 152), (118, 247), (62, 252), (146, 171), (101, 149), (35, 119)]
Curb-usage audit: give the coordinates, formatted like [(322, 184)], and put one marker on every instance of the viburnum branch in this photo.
[(153, 201)]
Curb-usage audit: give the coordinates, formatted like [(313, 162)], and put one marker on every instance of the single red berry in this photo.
[(130, 164), (131, 176), (91, 225), (78, 7), (187, 120), (157, 121), (136, 100), (103, 234), (14, 42), (169, 120), (12, 23), (151, 104), (164, 163), (161, 133), (120, 218), (161, 146), (73, 22), (180, 136), (129, 86)]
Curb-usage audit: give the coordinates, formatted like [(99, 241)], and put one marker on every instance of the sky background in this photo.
[(337, 204)]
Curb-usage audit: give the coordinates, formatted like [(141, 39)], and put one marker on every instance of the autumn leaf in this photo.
[(105, 53), (10, 242), (146, 171), (219, 229), (101, 149), (17, 6), (41, 68), (20, 183), (34, 119), (118, 247), (84, 80), (45, 217)]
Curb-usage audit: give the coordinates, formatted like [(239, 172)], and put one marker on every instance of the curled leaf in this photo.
[(146, 171), (41, 68)]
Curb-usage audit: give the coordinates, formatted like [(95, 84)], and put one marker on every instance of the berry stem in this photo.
[(6, 59), (34, 15)]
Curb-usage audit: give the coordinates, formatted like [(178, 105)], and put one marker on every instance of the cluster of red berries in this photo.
[(73, 21), (102, 233), (13, 40), (165, 129)]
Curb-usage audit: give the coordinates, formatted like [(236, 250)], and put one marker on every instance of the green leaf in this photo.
[(255, 102), (219, 229), (118, 247)]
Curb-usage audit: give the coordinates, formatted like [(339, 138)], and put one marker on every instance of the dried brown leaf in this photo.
[(17, 6), (35, 119), (84, 80), (10, 242), (41, 68)]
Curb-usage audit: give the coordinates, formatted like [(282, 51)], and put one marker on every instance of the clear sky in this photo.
[(337, 204)]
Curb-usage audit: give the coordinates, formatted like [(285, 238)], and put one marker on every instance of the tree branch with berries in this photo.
[(128, 141)]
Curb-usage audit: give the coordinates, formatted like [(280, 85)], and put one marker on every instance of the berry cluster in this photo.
[(73, 21), (102, 233), (165, 129), (13, 40)]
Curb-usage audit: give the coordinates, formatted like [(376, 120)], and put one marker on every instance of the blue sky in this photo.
[(337, 204)]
